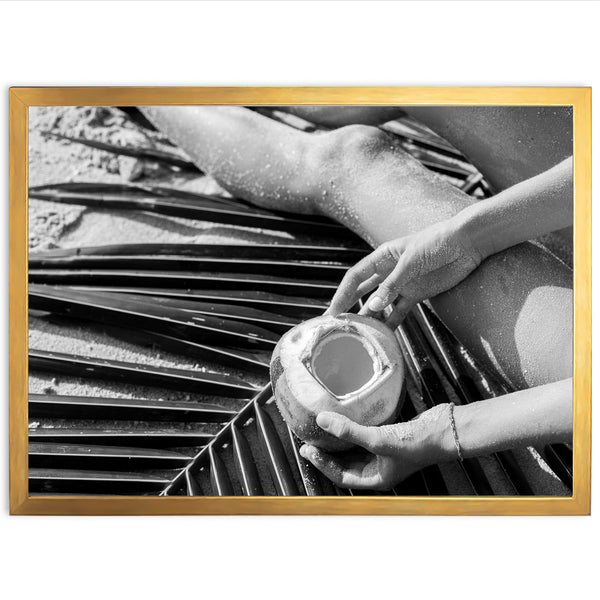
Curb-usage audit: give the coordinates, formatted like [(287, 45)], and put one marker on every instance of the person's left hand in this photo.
[(393, 452), (408, 270)]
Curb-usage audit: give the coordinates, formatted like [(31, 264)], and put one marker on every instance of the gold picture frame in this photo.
[(22, 98)]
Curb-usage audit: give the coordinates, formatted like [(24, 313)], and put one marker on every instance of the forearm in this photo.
[(523, 212), (338, 116), (532, 417)]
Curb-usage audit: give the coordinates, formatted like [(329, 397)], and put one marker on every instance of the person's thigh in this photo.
[(514, 313), (508, 144)]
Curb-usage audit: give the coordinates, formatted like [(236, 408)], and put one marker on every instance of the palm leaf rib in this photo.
[(165, 377), (294, 306), (281, 252), (152, 154)]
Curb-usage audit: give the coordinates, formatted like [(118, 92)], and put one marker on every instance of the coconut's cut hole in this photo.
[(342, 364)]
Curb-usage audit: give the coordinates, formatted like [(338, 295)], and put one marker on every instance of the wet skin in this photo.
[(513, 312)]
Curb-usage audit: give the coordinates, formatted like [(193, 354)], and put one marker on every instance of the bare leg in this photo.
[(253, 157), (513, 313), (508, 144)]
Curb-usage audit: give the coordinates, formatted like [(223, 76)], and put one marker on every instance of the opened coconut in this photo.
[(348, 364)]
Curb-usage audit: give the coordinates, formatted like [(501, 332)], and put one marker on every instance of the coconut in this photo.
[(348, 364)]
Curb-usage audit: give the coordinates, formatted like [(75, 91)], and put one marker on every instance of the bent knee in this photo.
[(348, 144)]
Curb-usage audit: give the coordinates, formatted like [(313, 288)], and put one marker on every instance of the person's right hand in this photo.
[(383, 456), (408, 270)]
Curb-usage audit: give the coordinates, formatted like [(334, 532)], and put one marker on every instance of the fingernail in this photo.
[(376, 304), (324, 420), (305, 452)]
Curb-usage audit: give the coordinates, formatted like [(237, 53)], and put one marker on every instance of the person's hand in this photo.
[(408, 270), (387, 454)]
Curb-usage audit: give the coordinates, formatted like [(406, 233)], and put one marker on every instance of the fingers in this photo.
[(367, 286), (390, 289), (354, 475), (361, 279), (364, 288), (347, 430), (347, 293)]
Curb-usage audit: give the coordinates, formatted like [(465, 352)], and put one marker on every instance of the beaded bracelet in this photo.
[(454, 432)]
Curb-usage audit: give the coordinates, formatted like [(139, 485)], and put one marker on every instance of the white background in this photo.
[(338, 43)]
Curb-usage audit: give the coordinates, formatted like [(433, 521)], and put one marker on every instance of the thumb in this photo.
[(347, 430)]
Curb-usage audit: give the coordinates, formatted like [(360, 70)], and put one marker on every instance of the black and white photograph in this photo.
[(301, 300)]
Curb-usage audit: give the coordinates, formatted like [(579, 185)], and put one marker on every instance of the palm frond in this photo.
[(152, 154)]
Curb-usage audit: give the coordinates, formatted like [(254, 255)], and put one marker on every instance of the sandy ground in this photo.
[(59, 226), (53, 225)]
